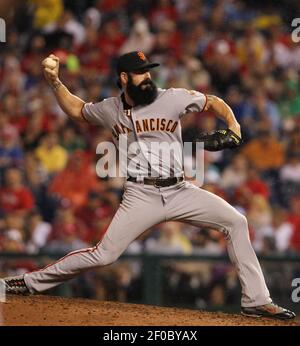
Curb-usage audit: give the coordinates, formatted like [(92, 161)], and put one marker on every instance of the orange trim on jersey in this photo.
[(82, 114), (204, 103)]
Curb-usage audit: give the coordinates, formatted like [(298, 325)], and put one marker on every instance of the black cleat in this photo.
[(16, 285), (269, 310)]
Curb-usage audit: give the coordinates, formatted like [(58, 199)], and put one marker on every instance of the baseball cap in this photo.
[(134, 61)]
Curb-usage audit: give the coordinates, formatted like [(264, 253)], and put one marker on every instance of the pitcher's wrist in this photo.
[(56, 84)]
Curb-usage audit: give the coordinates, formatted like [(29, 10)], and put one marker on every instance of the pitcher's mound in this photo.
[(57, 311)]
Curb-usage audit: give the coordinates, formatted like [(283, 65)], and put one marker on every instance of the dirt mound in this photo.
[(53, 311)]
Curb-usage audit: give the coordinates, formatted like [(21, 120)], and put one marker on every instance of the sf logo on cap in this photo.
[(141, 55)]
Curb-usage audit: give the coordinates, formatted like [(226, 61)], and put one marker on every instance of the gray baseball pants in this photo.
[(142, 207)]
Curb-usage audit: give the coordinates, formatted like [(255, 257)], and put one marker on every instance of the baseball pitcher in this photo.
[(144, 114)]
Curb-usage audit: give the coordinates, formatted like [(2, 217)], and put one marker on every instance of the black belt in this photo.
[(158, 182)]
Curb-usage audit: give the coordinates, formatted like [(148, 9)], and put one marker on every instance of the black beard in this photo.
[(139, 95)]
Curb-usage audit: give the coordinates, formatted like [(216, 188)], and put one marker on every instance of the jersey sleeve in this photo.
[(189, 101), (94, 113)]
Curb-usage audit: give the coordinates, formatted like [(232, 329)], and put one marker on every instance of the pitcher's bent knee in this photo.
[(241, 221), (105, 256), (238, 223)]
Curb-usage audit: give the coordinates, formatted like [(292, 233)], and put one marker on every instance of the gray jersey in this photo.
[(155, 124)]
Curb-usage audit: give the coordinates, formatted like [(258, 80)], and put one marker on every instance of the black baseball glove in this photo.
[(219, 140)]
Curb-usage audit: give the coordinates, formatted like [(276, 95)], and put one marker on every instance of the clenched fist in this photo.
[(51, 68)]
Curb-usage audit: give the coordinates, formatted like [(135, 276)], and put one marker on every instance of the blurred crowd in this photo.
[(50, 196)]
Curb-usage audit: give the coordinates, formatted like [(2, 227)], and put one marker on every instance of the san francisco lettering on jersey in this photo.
[(120, 129), (147, 125), (155, 124)]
